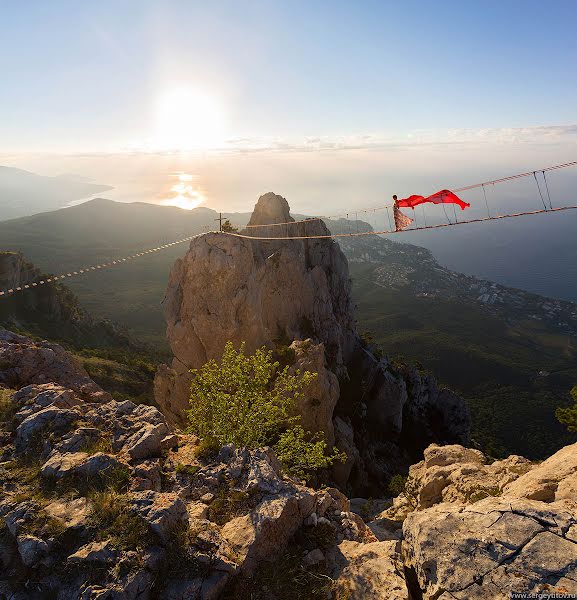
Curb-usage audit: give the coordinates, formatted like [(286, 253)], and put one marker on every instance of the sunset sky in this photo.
[(328, 101)]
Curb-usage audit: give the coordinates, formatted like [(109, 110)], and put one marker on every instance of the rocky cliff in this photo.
[(103, 499), (50, 310), (282, 292)]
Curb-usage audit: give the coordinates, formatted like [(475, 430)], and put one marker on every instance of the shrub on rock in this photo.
[(249, 401)]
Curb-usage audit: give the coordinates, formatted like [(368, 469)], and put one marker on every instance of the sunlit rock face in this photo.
[(257, 292), (271, 208), (275, 292)]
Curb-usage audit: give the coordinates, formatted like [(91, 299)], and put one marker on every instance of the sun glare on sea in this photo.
[(188, 119), (185, 195)]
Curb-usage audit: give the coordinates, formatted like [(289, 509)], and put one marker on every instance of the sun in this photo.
[(188, 119)]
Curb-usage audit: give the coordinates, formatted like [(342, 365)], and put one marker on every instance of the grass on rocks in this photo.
[(111, 517), (7, 407), (285, 579)]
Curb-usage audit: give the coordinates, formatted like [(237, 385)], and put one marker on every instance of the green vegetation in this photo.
[(283, 579), (492, 364), (7, 407), (103, 443), (568, 416), (182, 469), (99, 231), (111, 517), (228, 227), (228, 504), (250, 402), (302, 454), (397, 484), (126, 372)]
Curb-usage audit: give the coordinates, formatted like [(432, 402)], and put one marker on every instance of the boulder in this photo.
[(53, 418), (163, 512), (94, 552), (371, 571), (80, 464), (263, 533), (69, 513), (146, 442), (490, 549), (25, 361), (553, 479), (32, 549)]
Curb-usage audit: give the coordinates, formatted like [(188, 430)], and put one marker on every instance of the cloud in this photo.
[(542, 134), (530, 136)]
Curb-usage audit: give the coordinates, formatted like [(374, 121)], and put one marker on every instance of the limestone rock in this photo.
[(490, 549), (94, 552), (146, 442), (319, 399), (70, 513), (553, 479), (25, 361), (80, 464), (455, 474), (368, 571), (163, 512), (228, 288), (32, 549), (345, 442), (264, 533), (271, 208), (54, 418)]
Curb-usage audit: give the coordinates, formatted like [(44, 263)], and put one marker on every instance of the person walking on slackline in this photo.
[(401, 220)]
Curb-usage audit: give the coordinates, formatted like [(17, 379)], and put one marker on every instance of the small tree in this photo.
[(250, 402), (568, 416), (228, 227)]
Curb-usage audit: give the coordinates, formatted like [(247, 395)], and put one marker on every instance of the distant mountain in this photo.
[(23, 193), (101, 230)]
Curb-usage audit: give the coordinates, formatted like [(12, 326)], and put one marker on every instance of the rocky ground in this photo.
[(108, 500), (103, 499)]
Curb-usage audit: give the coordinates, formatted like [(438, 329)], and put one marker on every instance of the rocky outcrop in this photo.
[(49, 309), (476, 529), (88, 482), (103, 499), (12, 270), (297, 293), (229, 288), (24, 362), (455, 474)]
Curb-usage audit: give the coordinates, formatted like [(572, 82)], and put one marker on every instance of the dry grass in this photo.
[(111, 517)]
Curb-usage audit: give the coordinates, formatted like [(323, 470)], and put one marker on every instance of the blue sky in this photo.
[(85, 77), (92, 69)]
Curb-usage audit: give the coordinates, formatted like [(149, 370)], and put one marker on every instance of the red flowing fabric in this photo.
[(442, 197)]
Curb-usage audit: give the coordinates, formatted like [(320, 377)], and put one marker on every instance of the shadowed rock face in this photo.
[(271, 293)]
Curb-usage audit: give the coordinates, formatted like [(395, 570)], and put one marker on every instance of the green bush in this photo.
[(568, 416), (228, 227), (301, 453), (250, 401), (397, 484)]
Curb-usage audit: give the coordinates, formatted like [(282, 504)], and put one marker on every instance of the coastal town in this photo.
[(398, 264)]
